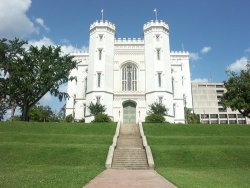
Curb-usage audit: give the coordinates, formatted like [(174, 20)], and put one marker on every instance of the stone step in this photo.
[(129, 153), (139, 158), (130, 167), (129, 163), (130, 157), (130, 150)]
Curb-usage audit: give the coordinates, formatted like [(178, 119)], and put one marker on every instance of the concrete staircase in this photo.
[(129, 153)]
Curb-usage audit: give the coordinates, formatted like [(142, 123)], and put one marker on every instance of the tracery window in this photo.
[(129, 77)]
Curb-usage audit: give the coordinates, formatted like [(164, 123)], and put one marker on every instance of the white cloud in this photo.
[(194, 56), (44, 41), (247, 50), (66, 48), (206, 49), (40, 22), (14, 20), (238, 65), (200, 80)]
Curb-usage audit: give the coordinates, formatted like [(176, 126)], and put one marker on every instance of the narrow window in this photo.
[(173, 85), (174, 106), (98, 79), (100, 37), (84, 108), (160, 99), (85, 87), (98, 99), (158, 51), (182, 80), (157, 36), (100, 54), (159, 79)]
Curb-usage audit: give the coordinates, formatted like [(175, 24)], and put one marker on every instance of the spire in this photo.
[(155, 10), (102, 14)]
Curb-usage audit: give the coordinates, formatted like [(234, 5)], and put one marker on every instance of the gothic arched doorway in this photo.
[(129, 112)]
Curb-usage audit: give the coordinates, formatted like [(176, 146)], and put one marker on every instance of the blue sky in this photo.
[(215, 32)]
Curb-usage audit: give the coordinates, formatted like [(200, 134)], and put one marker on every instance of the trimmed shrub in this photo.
[(69, 118), (82, 120), (102, 118), (96, 108), (158, 108), (156, 118)]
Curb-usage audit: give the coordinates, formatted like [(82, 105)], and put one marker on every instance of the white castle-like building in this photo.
[(128, 74)]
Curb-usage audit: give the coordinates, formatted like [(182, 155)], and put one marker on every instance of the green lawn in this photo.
[(52, 154), (193, 156)]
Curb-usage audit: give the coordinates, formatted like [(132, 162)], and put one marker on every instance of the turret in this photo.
[(100, 69), (157, 62)]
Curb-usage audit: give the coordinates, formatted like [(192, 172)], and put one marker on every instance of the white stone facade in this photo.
[(127, 75)]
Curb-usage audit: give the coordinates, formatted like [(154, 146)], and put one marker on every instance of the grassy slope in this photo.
[(52, 154), (201, 156)]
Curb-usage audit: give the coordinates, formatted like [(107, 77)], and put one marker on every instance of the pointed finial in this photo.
[(102, 14), (155, 10)]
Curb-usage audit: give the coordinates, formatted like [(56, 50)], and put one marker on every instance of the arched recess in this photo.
[(129, 75), (129, 112)]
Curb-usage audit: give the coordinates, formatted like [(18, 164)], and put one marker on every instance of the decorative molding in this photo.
[(99, 92), (159, 92)]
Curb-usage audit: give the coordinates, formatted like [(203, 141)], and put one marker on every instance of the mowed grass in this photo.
[(195, 156), (52, 154)]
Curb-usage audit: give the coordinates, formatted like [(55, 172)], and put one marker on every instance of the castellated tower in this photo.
[(158, 65), (100, 68)]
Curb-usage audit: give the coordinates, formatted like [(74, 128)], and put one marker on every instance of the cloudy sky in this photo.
[(215, 32)]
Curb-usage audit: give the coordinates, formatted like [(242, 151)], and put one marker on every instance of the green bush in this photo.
[(102, 118), (69, 118), (156, 118), (96, 108), (82, 120)]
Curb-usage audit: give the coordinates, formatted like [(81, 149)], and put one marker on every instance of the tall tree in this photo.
[(32, 72), (42, 114), (237, 96)]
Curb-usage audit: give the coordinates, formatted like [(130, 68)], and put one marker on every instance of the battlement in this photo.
[(186, 53), (79, 53), (102, 23), (129, 40), (155, 23)]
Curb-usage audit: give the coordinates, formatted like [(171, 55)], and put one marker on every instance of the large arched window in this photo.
[(129, 77)]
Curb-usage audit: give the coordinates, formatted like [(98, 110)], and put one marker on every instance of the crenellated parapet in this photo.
[(80, 53), (129, 41), (179, 53), (102, 24), (155, 24)]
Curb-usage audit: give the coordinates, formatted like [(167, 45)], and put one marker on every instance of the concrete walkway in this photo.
[(113, 178)]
